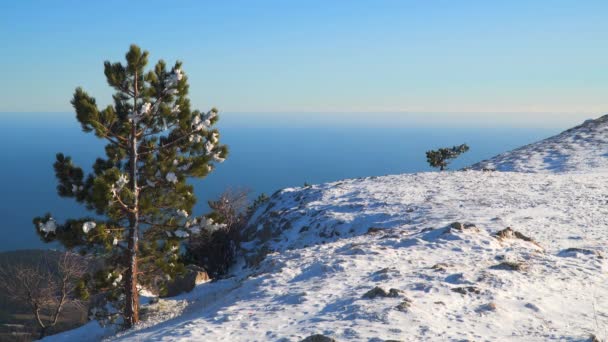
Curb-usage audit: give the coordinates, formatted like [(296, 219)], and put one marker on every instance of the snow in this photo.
[(171, 177), (439, 280), (175, 77), (315, 280), (143, 111), (91, 331), (88, 226), (122, 181), (209, 146), (181, 234), (117, 281), (580, 149), (47, 227)]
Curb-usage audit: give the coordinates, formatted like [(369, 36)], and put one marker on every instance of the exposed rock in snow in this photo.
[(583, 148)]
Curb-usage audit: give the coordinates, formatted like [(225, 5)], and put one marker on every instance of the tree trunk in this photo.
[(42, 333), (40, 323), (132, 295)]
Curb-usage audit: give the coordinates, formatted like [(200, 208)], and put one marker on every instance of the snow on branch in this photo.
[(47, 227)]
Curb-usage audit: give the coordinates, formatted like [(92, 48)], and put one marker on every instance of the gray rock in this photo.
[(380, 292), (510, 266), (467, 290), (457, 226), (318, 338), (404, 305), (185, 283)]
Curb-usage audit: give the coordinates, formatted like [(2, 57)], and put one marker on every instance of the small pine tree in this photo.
[(441, 158), (138, 191)]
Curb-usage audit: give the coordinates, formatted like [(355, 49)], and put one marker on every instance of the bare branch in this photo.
[(47, 287)]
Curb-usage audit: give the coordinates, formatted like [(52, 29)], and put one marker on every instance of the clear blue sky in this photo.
[(456, 56)]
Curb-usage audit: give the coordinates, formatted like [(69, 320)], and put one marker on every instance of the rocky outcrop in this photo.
[(193, 276)]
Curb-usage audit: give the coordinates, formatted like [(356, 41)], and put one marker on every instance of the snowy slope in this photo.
[(580, 149), (451, 284)]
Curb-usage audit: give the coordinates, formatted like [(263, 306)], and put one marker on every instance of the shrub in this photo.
[(440, 158), (216, 249)]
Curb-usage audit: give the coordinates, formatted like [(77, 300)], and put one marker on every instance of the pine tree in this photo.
[(138, 192), (440, 158)]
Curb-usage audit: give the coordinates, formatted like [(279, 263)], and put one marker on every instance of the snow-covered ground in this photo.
[(332, 243), (583, 148)]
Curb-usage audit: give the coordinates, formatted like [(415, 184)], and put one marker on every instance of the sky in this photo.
[(318, 55)]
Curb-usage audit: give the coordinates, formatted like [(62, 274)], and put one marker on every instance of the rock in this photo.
[(374, 230), (440, 267), (457, 226), (509, 233), (510, 266), (532, 307), (467, 290), (318, 338), (193, 276), (404, 305), (490, 307), (382, 271), (462, 227), (380, 292)]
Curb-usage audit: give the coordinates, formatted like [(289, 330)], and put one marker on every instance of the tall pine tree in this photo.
[(138, 192)]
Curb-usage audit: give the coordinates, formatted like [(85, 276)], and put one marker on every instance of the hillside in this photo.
[(467, 255), (580, 149), (334, 242)]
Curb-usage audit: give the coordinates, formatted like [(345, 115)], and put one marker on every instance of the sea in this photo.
[(268, 152)]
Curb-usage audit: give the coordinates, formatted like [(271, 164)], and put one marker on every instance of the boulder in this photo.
[(193, 276), (467, 290), (509, 233), (318, 338), (380, 292)]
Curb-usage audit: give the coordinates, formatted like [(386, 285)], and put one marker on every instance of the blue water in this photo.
[(267, 152)]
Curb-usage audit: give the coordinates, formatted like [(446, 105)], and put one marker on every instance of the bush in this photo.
[(440, 158), (216, 249)]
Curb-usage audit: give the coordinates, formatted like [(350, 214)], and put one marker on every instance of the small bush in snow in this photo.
[(441, 158)]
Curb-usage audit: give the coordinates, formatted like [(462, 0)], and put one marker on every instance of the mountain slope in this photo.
[(580, 149), (451, 283)]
